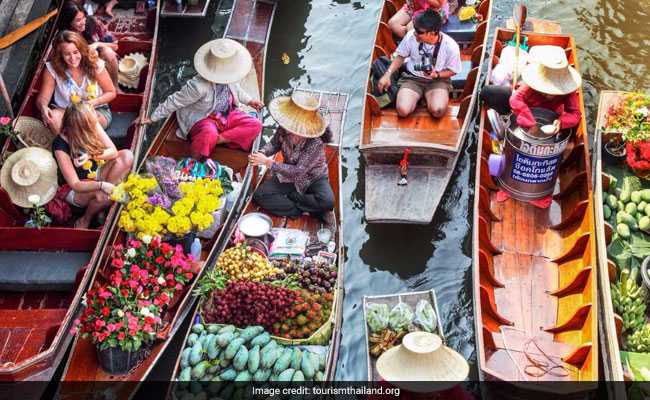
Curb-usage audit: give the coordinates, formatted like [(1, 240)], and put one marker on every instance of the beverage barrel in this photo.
[(531, 161)]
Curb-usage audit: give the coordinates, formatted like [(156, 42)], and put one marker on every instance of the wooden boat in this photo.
[(411, 299), (434, 144), (41, 298), (335, 105), (82, 365), (171, 8), (534, 281), (610, 322)]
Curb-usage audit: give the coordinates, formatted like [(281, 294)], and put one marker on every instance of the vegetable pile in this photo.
[(216, 355), (387, 328)]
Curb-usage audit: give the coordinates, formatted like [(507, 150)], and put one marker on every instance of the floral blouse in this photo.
[(303, 163)]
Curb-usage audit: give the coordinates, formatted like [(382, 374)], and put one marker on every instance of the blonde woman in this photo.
[(89, 161), (74, 74)]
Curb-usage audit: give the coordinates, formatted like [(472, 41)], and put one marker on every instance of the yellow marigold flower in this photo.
[(87, 165), (75, 98)]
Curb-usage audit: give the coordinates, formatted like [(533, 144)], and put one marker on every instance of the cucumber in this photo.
[(228, 374), (644, 223), (625, 195), (241, 358), (261, 340), (607, 212), (298, 377), (611, 201), (645, 195), (244, 376), (191, 339), (212, 348), (213, 328), (307, 367), (283, 361), (630, 208), (262, 375), (641, 206), (270, 345), (251, 332), (620, 206), (198, 328), (232, 348), (253, 359), (185, 357), (196, 354), (636, 196), (185, 375), (227, 328), (286, 375), (296, 358), (268, 359), (623, 230), (199, 370), (224, 338)]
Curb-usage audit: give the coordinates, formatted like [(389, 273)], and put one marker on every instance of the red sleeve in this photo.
[(572, 114), (518, 104)]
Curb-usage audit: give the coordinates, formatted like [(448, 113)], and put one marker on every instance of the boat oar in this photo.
[(519, 19), (11, 38)]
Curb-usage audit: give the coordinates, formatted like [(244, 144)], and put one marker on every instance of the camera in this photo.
[(423, 67)]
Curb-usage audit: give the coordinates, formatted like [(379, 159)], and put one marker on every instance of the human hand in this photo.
[(384, 83), (256, 104), (145, 121), (48, 116), (557, 125), (107, 187), (81, 160), (260, 159)]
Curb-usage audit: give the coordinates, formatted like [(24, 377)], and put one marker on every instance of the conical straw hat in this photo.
[(298, 114), (223, 61), (422, 364), (550, 71), (29, 171), (33, 132)]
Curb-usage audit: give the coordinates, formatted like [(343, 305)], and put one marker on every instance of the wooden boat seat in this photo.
[(461, 32), (40, 270), (420, 127)]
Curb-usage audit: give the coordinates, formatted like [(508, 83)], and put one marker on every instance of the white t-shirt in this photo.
[(65, 88), (448, 55)]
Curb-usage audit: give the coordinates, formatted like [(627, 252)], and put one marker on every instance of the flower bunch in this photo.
[(39, 217), (629, 117), (126, 311), (7, 129)]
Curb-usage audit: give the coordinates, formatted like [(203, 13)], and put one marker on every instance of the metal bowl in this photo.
[(255, 224)]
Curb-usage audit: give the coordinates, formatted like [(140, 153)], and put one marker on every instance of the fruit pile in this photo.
[(316, 276), (217, 355), (309, 312), (241, 262), (629, 299)]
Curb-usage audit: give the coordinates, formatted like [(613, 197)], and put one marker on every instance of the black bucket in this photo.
[(117, 361)]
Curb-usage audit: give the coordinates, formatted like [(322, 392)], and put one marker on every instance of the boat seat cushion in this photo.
[(119, 127), (40, 270), (458, 80), (461, 32)]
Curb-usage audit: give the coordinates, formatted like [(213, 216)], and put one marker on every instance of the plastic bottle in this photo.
[(195, 249)]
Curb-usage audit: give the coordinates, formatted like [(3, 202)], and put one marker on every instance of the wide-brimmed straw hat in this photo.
[(129, 69), (422, 364), (223, 61), (550, 72), (298, 114), (33, 132), (28, 172)]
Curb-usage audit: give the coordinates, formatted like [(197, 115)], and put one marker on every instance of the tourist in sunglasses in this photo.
[(431, 58)]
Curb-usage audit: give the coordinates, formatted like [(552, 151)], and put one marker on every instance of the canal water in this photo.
[(328, 43)]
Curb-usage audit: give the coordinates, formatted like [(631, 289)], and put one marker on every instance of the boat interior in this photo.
[(171, 8), (535, 282), (42, 269), (433, 143)]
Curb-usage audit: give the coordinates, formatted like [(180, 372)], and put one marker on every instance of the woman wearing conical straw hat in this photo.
[(300, 183), (207, 106)]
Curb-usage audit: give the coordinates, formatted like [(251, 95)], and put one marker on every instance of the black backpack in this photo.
[(378, 69)]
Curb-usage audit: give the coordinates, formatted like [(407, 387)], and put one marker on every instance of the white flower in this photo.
[(146, 239), (34, 199), (144, 311), (161, 280), (130, 252), (120, 313), (642, 111)]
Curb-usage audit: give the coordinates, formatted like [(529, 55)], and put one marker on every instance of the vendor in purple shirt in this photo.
[(300, 182)]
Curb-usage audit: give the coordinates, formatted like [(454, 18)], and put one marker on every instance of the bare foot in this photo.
[(81, 223)]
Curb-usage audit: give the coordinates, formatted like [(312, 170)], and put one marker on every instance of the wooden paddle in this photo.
[(11, 38), (519, 19)]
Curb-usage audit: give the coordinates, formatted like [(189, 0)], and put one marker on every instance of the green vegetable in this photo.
[(307, 367), (623, 230), (232, 348), (198, 328), (243, 376), (620, 206), (319, 377), (185, 357), (612, 183), (283, 361), (296, 358), (241, 358), (644, 223), (286, 375), (611, 201), (425, 317), (254, 359), (251, 332), (228, 375), (199, 370), (262, 375), (641, 206), (298, 377), (607, 212), (378, 315), (213, 328), (322, 360), (224, 338), (192, 339), (645, 195), (270, 345), (636, 196), (261, 340), (212, 348), (630, 184), (196, 354), (399, 319), (227, 328), (630, 208), (268, 358), (185, 375), (628, 299)]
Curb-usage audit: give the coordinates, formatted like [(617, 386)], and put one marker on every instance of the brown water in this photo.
[(328, 42)]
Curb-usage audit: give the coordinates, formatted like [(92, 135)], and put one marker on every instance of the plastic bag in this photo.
[(400, 317), (425, 317), (377, 316)]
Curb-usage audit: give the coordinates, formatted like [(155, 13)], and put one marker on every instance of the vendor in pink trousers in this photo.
[(207, 106)]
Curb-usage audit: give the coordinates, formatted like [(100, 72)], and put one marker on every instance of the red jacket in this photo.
[(567, 107)]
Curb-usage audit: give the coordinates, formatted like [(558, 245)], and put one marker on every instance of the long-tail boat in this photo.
[(83, 365), (534, 279), (430, 146), (611, 323), (46, 271), (334, 104), (409, 298)]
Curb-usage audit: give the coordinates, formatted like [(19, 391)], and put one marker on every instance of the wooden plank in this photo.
[(169, 9), (69, 239), (26, 318)]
